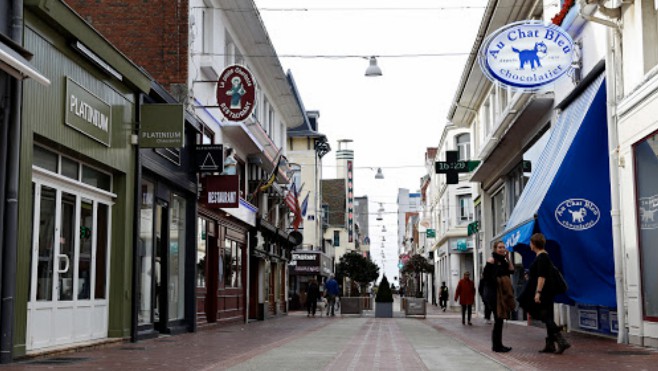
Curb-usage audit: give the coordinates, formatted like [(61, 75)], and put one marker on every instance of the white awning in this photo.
[(17, 66)]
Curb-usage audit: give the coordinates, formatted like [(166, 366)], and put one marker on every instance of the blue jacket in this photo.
[(332, 287)]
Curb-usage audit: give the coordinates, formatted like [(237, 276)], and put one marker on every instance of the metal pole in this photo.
[(137, 243)]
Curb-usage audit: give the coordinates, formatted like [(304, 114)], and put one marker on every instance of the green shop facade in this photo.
[(80, 186)]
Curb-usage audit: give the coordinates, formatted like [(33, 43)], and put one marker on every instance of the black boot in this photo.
[(562, 343), (549, 347)]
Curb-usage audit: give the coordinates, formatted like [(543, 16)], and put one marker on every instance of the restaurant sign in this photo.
[(236, 93), (221, 191)]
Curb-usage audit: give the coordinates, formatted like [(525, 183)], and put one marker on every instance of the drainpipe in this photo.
[(612, 65), (137, 242), (10, 247)]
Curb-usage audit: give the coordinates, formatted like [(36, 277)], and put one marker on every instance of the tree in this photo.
[(357, 268), (416, 265), (384, 293)]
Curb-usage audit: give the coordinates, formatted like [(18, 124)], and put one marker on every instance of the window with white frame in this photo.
[(498, 212), (463, 144), (465, 209)]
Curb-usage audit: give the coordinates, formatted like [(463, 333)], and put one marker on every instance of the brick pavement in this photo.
[(361, 343)]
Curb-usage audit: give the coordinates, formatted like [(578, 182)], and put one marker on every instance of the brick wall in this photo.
[(153, 33)]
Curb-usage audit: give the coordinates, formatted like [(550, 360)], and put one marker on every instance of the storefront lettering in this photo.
[(222, 197), (88, 113)]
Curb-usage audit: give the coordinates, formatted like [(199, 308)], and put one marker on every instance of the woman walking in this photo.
[(312, 295), (541, 304), (498, 292)]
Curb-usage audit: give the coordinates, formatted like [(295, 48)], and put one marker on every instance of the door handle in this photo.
[(66, 259)]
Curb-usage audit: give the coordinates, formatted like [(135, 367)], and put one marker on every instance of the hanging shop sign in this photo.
[(162, 126), (526, 55), (221, 191), (236, 93), (209, 158), (87, 113)]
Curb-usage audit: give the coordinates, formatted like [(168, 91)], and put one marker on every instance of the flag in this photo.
[(292, 201), (266, 184), (305, 204)]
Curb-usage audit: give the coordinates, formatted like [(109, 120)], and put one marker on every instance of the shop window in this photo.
[(232, 264), (70, 168), (177, 257), (646, 165), (45, 159), (146, 252), (201, 251), (96, 178), (103, 217), (336, 238)]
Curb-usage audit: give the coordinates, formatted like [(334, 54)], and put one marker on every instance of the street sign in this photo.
[(473, 228), (452, 167), (431, 233)]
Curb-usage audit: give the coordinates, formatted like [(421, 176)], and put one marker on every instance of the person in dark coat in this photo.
[(312, 295), (497, 268), (541, 305), (465, 293), (443, 296)]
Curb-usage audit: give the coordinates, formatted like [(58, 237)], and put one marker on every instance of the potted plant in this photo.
[(355, 271), (384, 300)]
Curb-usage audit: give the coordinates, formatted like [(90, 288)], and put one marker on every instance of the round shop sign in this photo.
[(236, 93), (526, 55), (577, 214)]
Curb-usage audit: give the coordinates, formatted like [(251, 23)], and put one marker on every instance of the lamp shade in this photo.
[(373, 69)]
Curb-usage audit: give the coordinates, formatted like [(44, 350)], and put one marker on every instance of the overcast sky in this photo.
[(394, 118)]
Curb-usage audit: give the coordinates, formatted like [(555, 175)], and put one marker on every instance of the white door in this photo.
[(70, 264)]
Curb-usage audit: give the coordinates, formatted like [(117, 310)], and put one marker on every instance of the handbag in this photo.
[(557, 282)]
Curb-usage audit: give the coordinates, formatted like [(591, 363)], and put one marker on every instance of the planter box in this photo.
[(384, 310), (366, 302), (350, 305), (416, 307)]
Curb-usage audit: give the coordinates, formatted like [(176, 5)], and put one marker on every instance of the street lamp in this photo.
[(373, 69)]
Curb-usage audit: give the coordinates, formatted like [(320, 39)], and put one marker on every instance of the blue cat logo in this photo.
[(531, 56), (577, 214)]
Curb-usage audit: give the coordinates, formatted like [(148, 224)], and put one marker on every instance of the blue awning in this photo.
[(567, 198)]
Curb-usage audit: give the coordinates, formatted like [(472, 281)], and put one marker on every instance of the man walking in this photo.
[(465, 293), (443, 296), (331, 291)]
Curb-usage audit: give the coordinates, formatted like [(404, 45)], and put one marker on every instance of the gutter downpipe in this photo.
[(612, 60), (10, 242), (137, 243)]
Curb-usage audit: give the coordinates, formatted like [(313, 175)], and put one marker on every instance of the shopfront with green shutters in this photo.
[(77, 186)]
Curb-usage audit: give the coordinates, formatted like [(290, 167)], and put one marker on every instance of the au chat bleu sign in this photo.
[(527, 55)]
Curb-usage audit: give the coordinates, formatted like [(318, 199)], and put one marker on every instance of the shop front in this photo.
[(223, 225), (77, 181), (305, 265)]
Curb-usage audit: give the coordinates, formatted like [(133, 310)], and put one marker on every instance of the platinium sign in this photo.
[(87, 113), (526, 55), (236, 93)]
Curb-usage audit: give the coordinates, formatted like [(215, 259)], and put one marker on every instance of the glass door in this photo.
[(68, 285)]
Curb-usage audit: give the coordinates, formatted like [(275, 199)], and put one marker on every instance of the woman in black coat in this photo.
[(540, 301), (498, 266), (312, 295)]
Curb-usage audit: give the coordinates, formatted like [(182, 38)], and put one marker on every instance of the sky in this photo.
[(421, 47)]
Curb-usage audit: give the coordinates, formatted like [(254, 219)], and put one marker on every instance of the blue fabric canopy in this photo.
[(568, 200)]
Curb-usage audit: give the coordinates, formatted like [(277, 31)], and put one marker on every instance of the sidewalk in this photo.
[(296, 342), (587, 352)]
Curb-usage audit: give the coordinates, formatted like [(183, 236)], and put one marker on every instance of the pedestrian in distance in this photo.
[(465, 293), (487, 308), (312, 296), (537, 298), (443, 296), (498, 292), (331, 292)]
